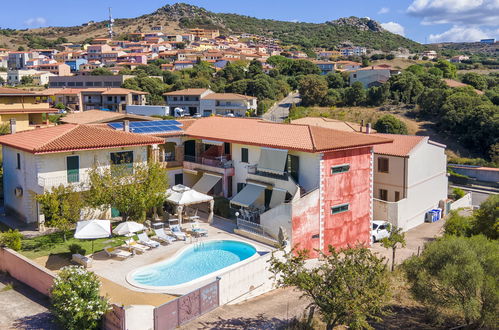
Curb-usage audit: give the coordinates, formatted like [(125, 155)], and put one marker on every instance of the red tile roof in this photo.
[(14, 91), (188, 91), (72, 137), (100, 116), (285, 136), (227, 96), (401, 146), (27, 110)]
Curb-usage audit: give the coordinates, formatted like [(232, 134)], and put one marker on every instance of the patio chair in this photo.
[(162, 237), (116, 252), (198, 231), (145, 240), (82, 260), (194, 216), (134, 246), (178, 233)]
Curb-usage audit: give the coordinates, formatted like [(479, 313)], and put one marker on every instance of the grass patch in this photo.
[(54, 244), (7, 287)]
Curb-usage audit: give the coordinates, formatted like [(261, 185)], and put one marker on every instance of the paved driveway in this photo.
[(23, 308), (280, 111)]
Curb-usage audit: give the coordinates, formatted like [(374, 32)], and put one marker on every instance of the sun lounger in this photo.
[(133, 245), (198, 230), (82, 260), (178, 233), (144, 239), (118, 253), (162, 237)]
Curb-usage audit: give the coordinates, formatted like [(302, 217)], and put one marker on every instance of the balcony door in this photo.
[(190, 150), (293, 167), (73, 168)]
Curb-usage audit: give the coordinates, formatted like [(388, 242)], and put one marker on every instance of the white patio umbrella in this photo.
[(184, 196), (93, 229), (128, 227)]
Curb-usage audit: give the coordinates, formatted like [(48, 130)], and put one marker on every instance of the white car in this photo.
[(381, 229)]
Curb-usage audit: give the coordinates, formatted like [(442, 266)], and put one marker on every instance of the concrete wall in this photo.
[(277, 217), (139, 317), (26, 271), (393, 180), (353, 226), (486, 174), (305, 222), (465, 201)]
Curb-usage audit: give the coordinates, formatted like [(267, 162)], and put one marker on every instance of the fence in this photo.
[(114, 319), (464, 201), (187, 307), (254, 228)]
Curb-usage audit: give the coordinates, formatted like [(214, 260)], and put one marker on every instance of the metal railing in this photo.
[(210, 161), (254, 228)]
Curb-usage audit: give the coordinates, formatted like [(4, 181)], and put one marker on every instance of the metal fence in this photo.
[(187, 307), (253, 227)]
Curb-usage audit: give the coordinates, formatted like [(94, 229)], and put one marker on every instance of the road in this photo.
[(280, 111), (478, 195)]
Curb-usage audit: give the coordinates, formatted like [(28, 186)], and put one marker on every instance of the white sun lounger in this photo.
[(132, 244), (162, 237), (118, 253), (144, 239), (198, 230), (178, 233)]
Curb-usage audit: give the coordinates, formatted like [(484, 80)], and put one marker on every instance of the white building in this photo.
[(37, 160), (373, 75), (14, 77), (410, 178)]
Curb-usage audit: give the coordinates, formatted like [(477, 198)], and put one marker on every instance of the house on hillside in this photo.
[(373, 75), (37, 160), (410, 178), (206, 102)]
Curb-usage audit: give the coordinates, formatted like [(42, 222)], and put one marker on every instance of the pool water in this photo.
[(194, 262)]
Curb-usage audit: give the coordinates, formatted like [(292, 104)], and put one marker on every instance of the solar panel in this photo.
[(116, 125), (148, 127)]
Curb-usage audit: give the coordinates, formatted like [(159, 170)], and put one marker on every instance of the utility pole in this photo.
[(110, 25)]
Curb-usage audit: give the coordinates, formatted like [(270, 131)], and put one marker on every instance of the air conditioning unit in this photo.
[(18, 191)]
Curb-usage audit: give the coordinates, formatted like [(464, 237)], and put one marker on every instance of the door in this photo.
[(293, 167), (189, 150), (73, 168)]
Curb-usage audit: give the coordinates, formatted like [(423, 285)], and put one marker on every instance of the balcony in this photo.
[(253, 170), (78, 181), (220, 162)]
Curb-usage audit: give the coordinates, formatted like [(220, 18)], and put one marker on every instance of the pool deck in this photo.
[(116, 270)]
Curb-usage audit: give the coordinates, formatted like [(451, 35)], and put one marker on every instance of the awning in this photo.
[(272, 160), (206, 182), (188, 171), (216, 143), (248, 195), (278, 197)]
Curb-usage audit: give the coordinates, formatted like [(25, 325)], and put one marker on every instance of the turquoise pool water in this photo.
[(194, 262)]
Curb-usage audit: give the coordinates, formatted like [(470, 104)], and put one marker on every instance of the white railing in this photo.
[(76, 180), (254, 228)]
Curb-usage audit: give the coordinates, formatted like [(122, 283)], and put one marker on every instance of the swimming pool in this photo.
[(192, 263)]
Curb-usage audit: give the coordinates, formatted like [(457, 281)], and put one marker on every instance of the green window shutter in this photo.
[(73, 168)]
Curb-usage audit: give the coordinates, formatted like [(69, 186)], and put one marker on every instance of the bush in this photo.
[(458, 225), (76, 301), (11, 239), (487, 218), (77, 249), (221, 207), (390, 124), (458, 193)]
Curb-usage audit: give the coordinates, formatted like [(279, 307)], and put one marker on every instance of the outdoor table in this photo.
[(158, 225)]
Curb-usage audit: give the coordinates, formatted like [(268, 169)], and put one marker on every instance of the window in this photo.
[(18, 164), (240, 186), (383, 194), (124, 162), (73, 168), (383, 165), (340, 208), (397, 196), (340, 169), (110, 99), (179, 179), (244, 155), (89, 83)]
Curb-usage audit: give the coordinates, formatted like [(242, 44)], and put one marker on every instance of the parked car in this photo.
[(381, 229)]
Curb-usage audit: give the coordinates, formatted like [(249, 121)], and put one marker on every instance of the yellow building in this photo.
[(25, 107)]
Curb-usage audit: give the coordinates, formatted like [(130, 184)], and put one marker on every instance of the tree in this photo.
[(302, 67), (405, 87), (255, 68), (355, 94), (459, 225), (390, 124), (458, 274), (101, 72), (131, 190), (313, 89), (487, 218), (154, 86), (60, 106), (27, 80), (393, 241), (475, 80), (349, 286), (377, 95), (76, 300), (62, 207), (335, 80), (449, 70)]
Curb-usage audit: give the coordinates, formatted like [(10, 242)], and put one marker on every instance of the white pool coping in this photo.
[(197, 281)]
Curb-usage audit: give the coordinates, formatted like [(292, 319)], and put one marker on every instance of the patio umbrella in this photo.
[(92, 229), (128, 228)]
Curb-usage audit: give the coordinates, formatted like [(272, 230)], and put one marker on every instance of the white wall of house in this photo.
[(425, 180), (367, 77), (39, 173)]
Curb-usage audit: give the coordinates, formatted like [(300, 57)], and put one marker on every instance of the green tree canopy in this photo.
[(101, 72), (390, 124), (313, 89)]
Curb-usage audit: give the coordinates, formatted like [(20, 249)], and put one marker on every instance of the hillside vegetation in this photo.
[(174, 18)]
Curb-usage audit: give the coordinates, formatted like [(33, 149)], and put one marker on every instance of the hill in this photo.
[(177, 17)]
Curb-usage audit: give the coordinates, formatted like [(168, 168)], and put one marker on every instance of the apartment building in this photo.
[(89, 81), (353, 51)]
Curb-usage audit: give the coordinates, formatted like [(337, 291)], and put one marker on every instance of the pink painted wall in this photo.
[(305, 223), (26, 271), (353, 187)]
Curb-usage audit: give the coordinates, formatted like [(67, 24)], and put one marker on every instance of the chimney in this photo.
[(126, 125), (12, 126), (368, 128), (361, 125)]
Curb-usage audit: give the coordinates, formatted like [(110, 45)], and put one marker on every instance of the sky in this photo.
[(425, 21)]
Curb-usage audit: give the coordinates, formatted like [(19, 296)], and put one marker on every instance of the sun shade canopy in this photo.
[(248, 195), (206, 182), (93, 229), (182, 195), (278, 197), (272, 160)]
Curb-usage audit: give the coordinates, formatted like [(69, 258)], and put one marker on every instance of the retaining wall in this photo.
[(464, 201)]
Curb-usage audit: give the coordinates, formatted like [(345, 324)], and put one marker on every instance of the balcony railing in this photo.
[(252, 169), (220, 162), (68, 179)]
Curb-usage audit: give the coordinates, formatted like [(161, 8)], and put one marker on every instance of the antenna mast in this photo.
[(110, 26)]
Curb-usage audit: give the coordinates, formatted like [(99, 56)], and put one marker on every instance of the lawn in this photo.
[(54, 244)]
